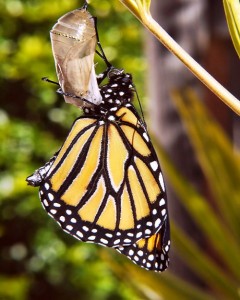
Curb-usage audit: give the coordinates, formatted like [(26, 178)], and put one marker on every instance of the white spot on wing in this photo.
[(136, 258), (62, 219), (138, 235), (131, 252), (146, 136), (111, 118), (130, 234), (69, 227), (162, 202), (149, 265), (47, 186), (79, 234), (85, 228), (104, 241), (163, 212), (109, 235), (161, 181), (45, 202), (151, 257), (154, 165), (50, 196), (157, 223)]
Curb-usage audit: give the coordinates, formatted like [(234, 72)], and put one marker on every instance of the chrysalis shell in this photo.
[(74, 40)]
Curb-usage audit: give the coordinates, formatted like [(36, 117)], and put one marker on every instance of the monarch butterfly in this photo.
[(74, 40), (105, 184)]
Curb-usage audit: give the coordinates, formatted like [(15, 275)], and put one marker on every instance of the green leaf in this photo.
[(232, 11), (205, 266), (154, 285), (220, 164), (221, 168), (208, 221)]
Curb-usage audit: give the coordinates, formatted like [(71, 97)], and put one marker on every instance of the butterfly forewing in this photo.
[(103, 174)]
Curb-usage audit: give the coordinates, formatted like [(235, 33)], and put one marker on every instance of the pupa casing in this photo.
[(74, 41)]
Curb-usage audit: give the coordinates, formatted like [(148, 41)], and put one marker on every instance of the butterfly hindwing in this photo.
[(151, 253)]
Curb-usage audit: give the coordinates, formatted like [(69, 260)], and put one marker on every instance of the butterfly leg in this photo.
[(101, 53), (85, 5), (61, 92), (51, 81)]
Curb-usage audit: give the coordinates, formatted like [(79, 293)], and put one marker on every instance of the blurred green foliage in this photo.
[(38, 260)]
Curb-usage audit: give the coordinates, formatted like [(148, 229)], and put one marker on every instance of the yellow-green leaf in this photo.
[(232, 11)]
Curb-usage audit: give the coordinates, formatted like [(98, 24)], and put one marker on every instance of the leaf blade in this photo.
[(232, 12)]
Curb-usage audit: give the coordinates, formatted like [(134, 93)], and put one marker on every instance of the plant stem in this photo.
[(147, 20)]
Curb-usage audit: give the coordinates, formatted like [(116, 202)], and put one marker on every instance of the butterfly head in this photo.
[(118, 76)]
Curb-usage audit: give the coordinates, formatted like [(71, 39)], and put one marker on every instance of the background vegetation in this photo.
[(38, 260)]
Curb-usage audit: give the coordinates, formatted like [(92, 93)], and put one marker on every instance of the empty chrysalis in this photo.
[(74, 41)]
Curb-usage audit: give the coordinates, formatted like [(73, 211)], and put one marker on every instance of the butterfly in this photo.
[(105, 184)]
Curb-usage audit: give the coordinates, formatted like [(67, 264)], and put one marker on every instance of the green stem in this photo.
[(138, 10)]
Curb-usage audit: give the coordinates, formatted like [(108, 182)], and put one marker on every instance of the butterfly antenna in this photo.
[(140, 105), (51, 81), (61, 92), (85, 5)]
